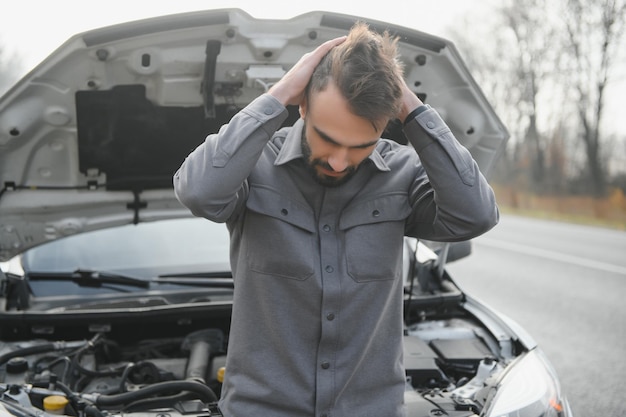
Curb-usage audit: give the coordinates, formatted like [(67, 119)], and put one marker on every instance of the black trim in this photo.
[(136, 205), (414, 113)]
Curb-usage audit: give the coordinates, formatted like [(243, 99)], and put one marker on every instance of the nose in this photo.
[(338, 160)]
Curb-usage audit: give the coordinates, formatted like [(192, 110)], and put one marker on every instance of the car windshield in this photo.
[(180, 246)]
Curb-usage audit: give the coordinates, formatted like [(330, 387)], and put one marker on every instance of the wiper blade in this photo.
[(202, 279), (89, 278), (213, 274)]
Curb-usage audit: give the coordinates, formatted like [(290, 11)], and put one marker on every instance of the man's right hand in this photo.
[(289, 90)]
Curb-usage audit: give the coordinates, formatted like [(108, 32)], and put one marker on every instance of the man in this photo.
[(317, 215)]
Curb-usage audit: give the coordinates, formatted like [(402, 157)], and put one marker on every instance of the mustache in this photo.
[(326, 165)]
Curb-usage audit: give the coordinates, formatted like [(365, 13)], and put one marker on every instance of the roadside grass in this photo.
[(605, 212)]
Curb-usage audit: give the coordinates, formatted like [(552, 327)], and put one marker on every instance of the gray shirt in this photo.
[(317, 312)]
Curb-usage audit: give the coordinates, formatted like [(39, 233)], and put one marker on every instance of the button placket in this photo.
[(329, 246)]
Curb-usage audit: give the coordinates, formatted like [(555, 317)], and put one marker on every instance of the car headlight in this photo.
[(529, 389)]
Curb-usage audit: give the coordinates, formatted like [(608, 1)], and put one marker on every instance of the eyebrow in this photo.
[(328, 139)]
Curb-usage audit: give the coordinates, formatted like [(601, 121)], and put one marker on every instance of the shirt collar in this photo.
[(292, 149)]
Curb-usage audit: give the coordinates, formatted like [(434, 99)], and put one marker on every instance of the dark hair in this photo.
[(366, 70)]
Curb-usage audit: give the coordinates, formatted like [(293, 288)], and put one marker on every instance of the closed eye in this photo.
[(333, 142)]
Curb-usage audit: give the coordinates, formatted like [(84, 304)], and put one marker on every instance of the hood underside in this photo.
[(92, 136)]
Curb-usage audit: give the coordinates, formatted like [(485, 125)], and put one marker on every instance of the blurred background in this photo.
[(555, 70)]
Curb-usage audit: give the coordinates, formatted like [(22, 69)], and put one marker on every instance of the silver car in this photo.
[(115, 301)]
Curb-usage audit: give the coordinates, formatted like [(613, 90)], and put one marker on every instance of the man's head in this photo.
[(353, 93)]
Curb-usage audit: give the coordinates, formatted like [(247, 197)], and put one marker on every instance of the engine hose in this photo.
[(93, 411), (205, 393), (199, 355), (31, 350), (159, 402), (79, 354)]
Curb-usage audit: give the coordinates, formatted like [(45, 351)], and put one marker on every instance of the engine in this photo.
[(96, 375), (174, 376)]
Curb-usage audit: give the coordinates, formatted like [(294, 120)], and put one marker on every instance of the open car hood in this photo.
[(92, 136)]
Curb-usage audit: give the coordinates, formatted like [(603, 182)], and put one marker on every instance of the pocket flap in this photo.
[(274, 204), (384, 208)]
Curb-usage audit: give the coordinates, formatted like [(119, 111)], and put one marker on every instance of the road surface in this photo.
[(566, 285)]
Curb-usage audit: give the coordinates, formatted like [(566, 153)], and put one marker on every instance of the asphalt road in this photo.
[(566, 285)]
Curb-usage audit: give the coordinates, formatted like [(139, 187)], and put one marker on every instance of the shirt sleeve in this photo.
[(455, 202), (211, 182)]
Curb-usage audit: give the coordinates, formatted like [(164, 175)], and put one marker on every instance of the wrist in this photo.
[(279, 94), (413, 113)]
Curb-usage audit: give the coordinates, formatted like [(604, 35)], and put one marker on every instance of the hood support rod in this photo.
[(213, 48)]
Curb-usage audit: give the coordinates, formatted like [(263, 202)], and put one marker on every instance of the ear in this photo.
[(302, 108)]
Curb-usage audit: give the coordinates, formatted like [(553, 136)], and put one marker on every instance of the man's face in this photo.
[(335, 141)]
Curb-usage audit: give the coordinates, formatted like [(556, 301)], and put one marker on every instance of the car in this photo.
[(115, 300)]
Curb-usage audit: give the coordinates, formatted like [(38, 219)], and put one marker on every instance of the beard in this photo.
[(311, 163)]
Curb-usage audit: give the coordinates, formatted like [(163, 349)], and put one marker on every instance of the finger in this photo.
[(330, 44), (315, 56)]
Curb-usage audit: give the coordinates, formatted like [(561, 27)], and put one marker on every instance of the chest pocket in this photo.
[(279, 235), (373, 236)]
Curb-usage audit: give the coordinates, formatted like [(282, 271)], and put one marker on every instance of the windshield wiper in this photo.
[(214, 274), (221, 279), (89, 278)]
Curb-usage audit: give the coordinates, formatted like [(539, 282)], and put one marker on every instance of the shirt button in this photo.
[(330, 317), (329, 268), (268, 110), (326, 228), (325, 365), (376, 213), (430, 125), (284, 212)]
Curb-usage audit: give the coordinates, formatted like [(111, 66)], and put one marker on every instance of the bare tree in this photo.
[(514, 66), (594, 36), (544, 64), (534, 59)]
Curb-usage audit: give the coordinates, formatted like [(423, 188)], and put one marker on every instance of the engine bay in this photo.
[(173, 365)]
